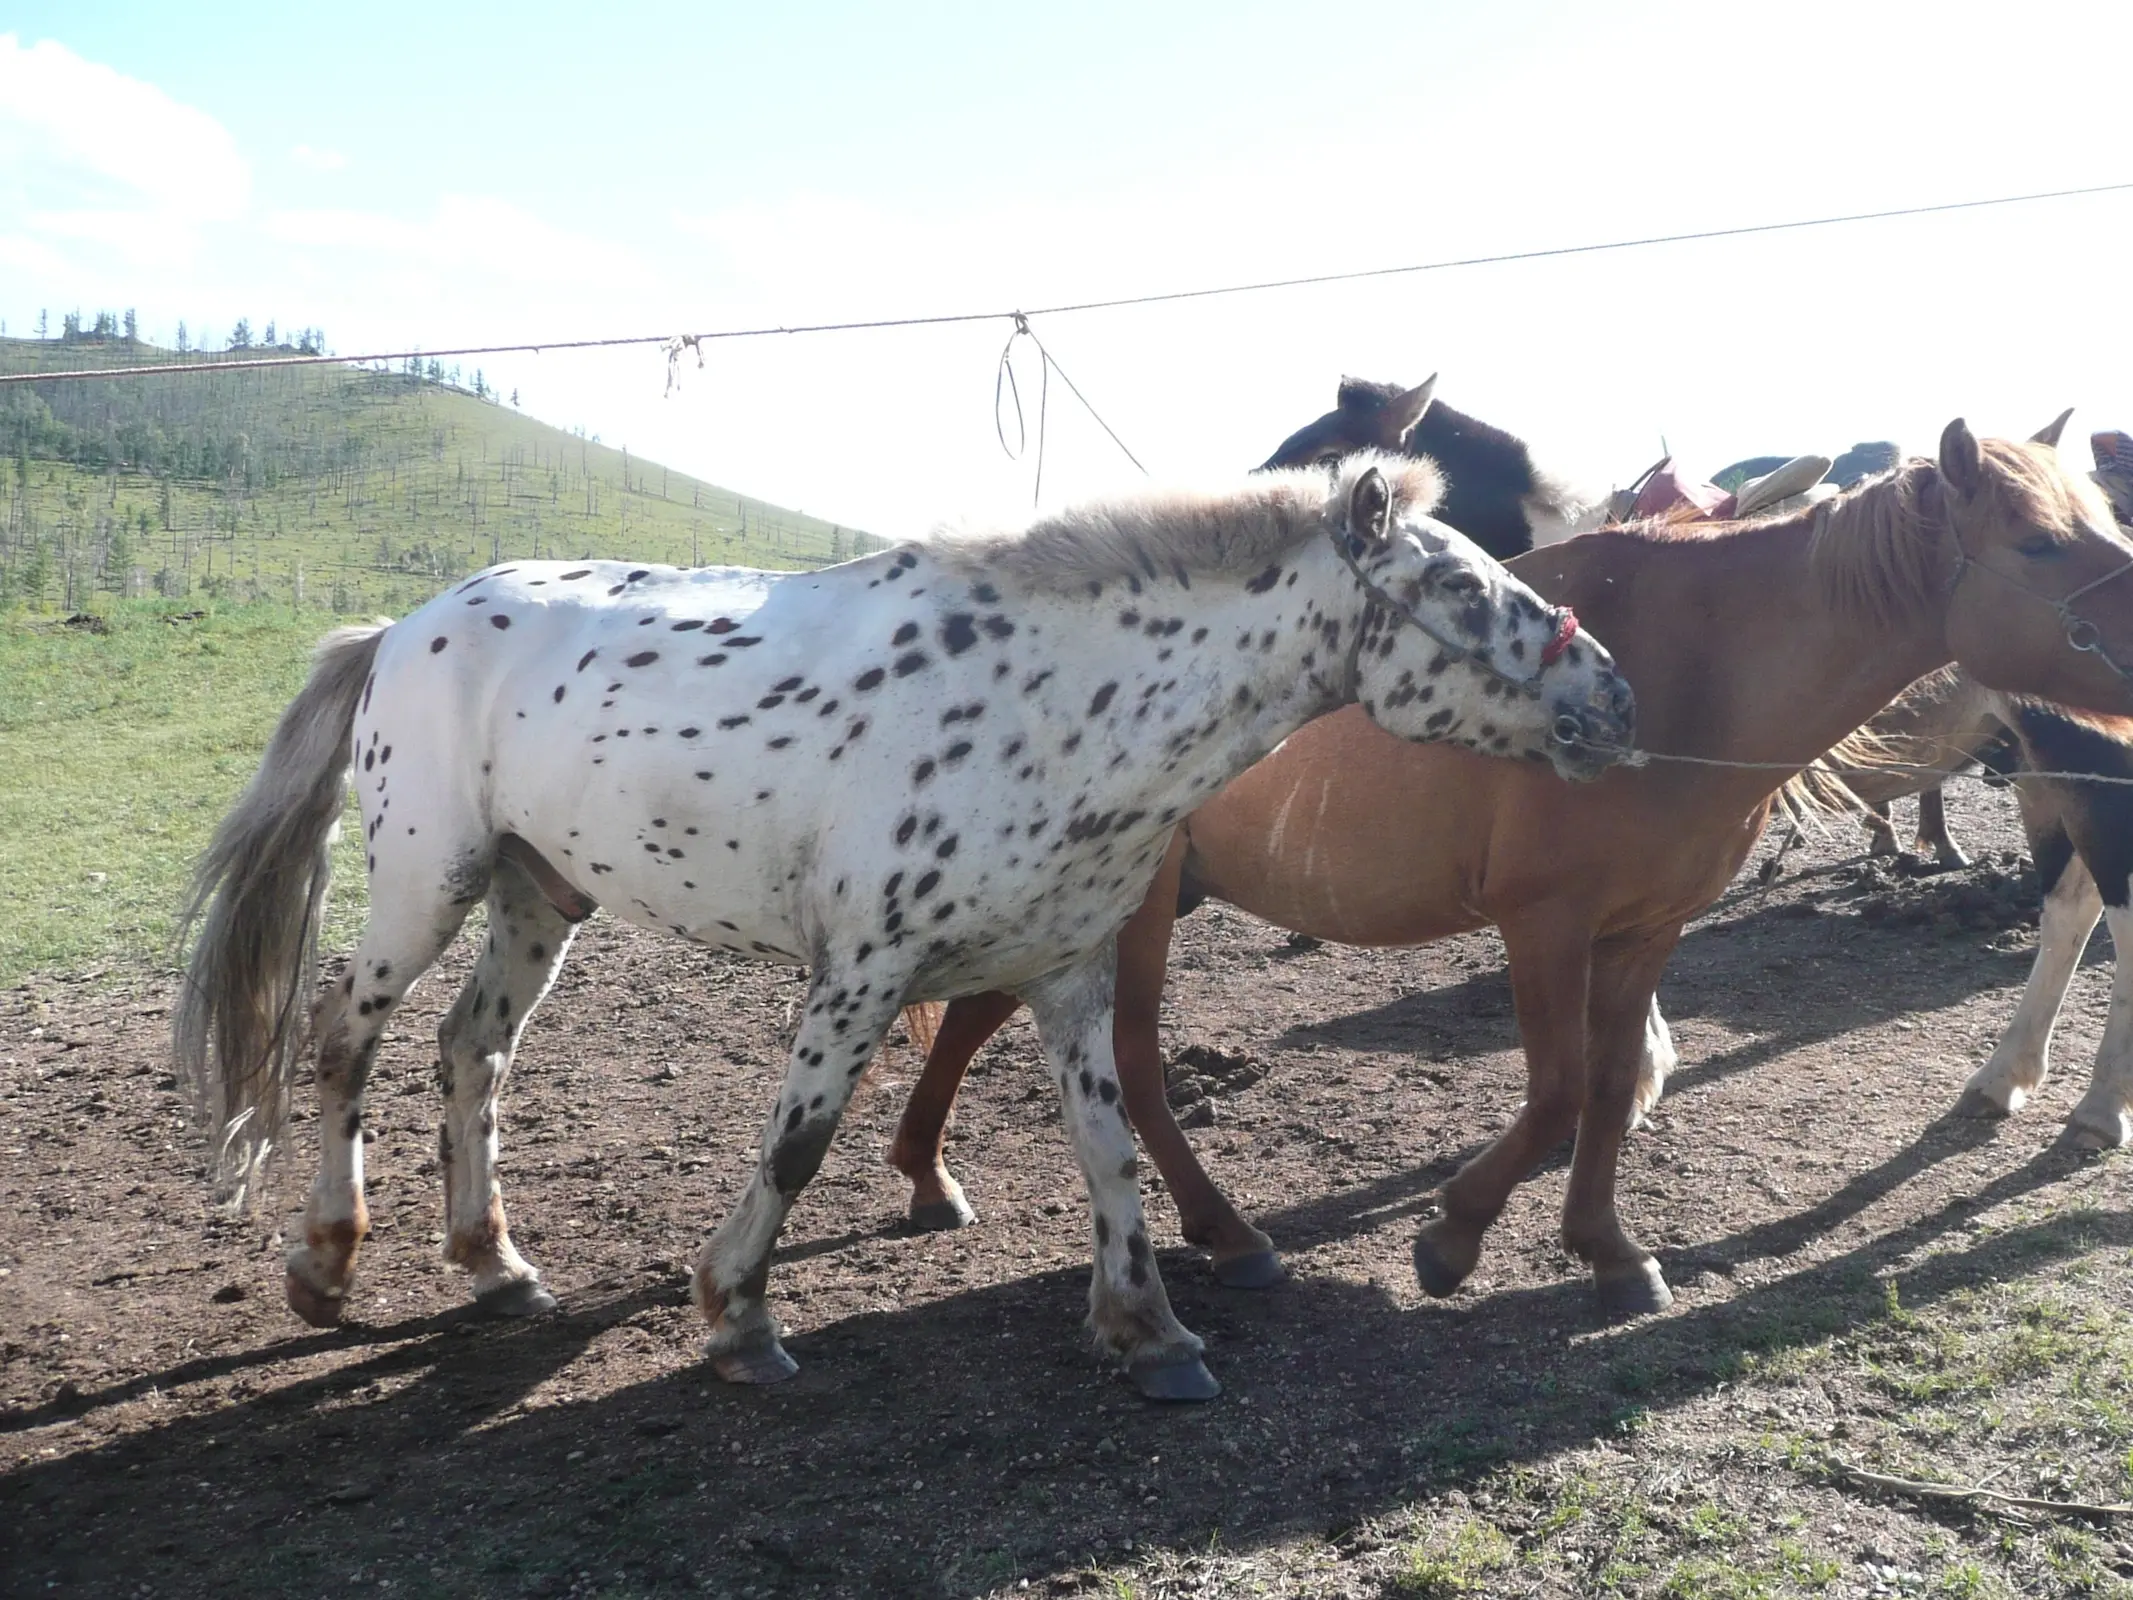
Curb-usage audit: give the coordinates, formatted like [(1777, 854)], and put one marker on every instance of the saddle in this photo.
[(1663, 491)]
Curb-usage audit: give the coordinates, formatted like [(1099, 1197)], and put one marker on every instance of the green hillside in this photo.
[(172, 547), (327, 487)]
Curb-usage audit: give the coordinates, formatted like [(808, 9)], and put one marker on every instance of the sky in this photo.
[(430, 175)]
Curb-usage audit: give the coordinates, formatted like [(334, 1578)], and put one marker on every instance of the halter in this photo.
[(1566, 629), (2081, 634)]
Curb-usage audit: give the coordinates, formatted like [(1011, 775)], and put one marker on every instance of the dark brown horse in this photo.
[(1992, 556), (1494, 492)]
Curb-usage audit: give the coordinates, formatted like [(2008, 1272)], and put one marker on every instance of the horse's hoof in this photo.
[(1633, 1291), (1174, 1381), (2104, 1130), (315, 1306), (765, 1363), (523, 1298), (1434, 1271), (1977, 1103), (1260, 1269), (942, 1216)]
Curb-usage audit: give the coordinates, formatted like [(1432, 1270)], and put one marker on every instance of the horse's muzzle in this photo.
[(1591, 736)]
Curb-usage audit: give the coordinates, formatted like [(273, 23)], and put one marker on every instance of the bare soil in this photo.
[(168, 1428)]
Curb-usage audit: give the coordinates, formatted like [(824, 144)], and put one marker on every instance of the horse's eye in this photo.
[(1460, 581), (1329, 458), (2040, 547)]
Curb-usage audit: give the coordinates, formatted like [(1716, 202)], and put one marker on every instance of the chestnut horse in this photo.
[(1992, 556)]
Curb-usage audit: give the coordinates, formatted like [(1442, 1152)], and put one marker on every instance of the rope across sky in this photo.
[(1021, 316)]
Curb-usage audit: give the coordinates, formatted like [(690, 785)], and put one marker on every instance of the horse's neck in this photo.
[(1488, 476), (1216, 706), (1768, 667)]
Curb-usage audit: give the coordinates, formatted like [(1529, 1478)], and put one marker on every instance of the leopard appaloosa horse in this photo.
[(939, 770)]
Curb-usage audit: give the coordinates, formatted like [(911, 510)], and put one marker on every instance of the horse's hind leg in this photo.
[(846, 1019), (526, 943), (917, 1151), (2071, 906), (2103, 1120), (409, 929), (1128, 1309), (1933, 831), (1881, 830)]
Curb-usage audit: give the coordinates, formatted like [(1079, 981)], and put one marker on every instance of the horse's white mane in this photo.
[(1234, 531)]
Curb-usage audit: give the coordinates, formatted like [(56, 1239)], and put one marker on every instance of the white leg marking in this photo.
[(2023, 1055), (2101, 1120)]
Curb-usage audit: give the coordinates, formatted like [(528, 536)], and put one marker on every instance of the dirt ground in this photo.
[(168, 1428)]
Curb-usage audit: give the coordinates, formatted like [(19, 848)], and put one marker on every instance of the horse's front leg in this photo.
[(849, 1011), (918, 1150), (1128, 1309), (1625, 974), (1551, 966)]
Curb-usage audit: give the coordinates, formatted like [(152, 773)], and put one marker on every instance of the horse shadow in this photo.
[(950, 1447)]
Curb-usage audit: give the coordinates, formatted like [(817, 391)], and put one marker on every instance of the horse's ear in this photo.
[(1370, 506), (1962, 464), (1409, 407), (2049, 433)]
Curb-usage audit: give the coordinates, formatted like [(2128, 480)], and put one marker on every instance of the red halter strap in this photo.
[(1566, 629)]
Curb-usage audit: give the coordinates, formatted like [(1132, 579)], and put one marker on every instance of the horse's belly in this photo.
[(721, 875), (1348, 834)]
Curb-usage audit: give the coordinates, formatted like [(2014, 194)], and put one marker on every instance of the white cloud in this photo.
[(316, 160), (77, 132)]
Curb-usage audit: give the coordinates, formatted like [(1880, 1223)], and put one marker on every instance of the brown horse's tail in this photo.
[(924, 1022), (253, 917)]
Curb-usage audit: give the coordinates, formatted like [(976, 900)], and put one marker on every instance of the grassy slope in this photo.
[(119, 750), (118, 753), (427, 483)]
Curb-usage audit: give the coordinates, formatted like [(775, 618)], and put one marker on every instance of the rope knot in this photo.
[(674, 348)]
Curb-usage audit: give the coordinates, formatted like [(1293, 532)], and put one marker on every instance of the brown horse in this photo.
[(1802, 628)]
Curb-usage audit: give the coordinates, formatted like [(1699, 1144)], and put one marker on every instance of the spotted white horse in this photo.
[(946, 768)]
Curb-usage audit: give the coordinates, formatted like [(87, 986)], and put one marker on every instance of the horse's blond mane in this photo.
[(1879, 552), (1164, 532), (1878, 549)]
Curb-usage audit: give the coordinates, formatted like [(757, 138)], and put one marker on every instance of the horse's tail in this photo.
[(253, 916), (922, 1018)]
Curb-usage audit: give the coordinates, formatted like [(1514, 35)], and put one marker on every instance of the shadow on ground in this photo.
[(904, 1458)]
